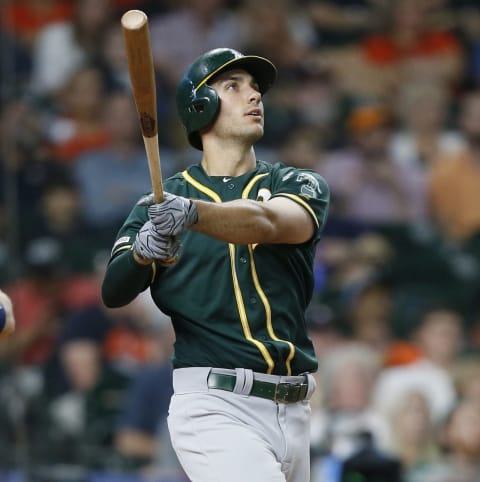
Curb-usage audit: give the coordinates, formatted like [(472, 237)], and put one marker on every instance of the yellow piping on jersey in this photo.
[(209, 192), (261, 293), (243, 313), (236, 286)]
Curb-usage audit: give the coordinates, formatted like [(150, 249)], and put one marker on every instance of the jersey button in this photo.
[(253, 300), (231, 185), (243, 260)]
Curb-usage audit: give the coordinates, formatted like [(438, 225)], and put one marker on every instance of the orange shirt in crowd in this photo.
[(454, 195), (381, 50), (26, 18), (68, 150)]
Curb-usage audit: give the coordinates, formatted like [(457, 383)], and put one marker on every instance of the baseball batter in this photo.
[(229, 256)]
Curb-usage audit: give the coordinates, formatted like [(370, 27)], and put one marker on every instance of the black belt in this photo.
[(282, 392)]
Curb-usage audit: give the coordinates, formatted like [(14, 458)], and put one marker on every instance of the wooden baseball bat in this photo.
[(142, 77)]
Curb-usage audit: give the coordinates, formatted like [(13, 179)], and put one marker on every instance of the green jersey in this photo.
[(232, 305)]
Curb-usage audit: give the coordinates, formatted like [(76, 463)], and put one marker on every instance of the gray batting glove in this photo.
[(149, 244), (173, 215)]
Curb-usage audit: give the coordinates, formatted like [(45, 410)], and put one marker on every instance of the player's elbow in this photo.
[(112, 297), (109, 298)]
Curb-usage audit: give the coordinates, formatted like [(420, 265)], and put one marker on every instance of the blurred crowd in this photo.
[(381, 97)]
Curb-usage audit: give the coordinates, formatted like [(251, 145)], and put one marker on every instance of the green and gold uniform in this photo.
[(231, 305)]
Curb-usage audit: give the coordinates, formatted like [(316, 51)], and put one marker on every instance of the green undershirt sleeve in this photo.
[(124, 280)]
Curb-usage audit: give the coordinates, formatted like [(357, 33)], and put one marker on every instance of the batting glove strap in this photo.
[(149, 244), (173, 215)]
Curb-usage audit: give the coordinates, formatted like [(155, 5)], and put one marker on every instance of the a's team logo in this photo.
[(264, 194), (310, 186)]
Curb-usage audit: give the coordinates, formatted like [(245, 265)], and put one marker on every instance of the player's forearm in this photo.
[(124, 279), (241, 222)]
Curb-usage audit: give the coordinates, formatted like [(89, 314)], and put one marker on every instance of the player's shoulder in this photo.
[(175, 183), (285, 174)]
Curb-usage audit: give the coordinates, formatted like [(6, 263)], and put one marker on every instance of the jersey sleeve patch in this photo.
[(310, 187), (306, 187), (121, 244)]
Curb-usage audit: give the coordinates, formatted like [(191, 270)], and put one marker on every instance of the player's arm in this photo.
[(294, 214), (245, 221), (137, 256)]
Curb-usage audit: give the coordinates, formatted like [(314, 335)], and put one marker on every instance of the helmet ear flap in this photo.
[(199, 112)]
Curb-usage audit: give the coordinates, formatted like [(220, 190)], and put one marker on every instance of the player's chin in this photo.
[(255, 133)]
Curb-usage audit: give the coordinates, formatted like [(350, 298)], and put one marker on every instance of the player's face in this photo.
[(241, 107)]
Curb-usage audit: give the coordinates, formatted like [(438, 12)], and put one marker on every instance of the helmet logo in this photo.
[(199, 106)]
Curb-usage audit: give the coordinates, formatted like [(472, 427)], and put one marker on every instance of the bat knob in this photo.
[(134, 19)]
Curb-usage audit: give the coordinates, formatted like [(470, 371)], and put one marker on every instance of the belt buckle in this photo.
[(284, 391), (289, 392)]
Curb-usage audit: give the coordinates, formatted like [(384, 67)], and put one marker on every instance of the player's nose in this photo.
[(254, 96)]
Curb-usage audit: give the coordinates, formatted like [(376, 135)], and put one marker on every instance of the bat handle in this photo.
[(153, 155)]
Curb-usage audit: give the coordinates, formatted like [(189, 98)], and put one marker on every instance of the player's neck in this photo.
[(229, 160)]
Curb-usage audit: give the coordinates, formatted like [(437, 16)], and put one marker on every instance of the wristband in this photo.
[(3, 318)]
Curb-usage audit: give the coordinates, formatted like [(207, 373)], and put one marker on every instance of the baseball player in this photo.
[(228, 255), (7, 317)]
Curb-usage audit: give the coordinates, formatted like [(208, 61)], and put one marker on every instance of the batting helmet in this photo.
[(198, 104)]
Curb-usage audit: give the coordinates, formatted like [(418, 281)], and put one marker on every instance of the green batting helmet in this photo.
[(198, 104)]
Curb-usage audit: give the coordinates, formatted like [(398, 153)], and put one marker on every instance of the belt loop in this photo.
[(312, 384), (244, 381)]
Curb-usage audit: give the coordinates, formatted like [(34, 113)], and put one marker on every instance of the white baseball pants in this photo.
[(222, 436)]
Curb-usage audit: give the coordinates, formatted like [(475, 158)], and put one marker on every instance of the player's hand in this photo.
[(173, 215), (150, 245), (7, 318)]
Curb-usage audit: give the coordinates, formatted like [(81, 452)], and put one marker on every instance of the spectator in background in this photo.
[(185, 32), (311, 112), (82, 419), (58, 214), (279, 31), (439, 336), (467, 19), (466, 375), (367, 186), (407, 49), (424, 134), (347, 375), (113, 60), (283, 33), (461, 439), (413, 435), (369, 318), (25, 18), (26, 159), (120, 163), (141, 435), (42, 297), (63, 47), (123, 333), (454, 196), (77, 126), (345, 22)]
